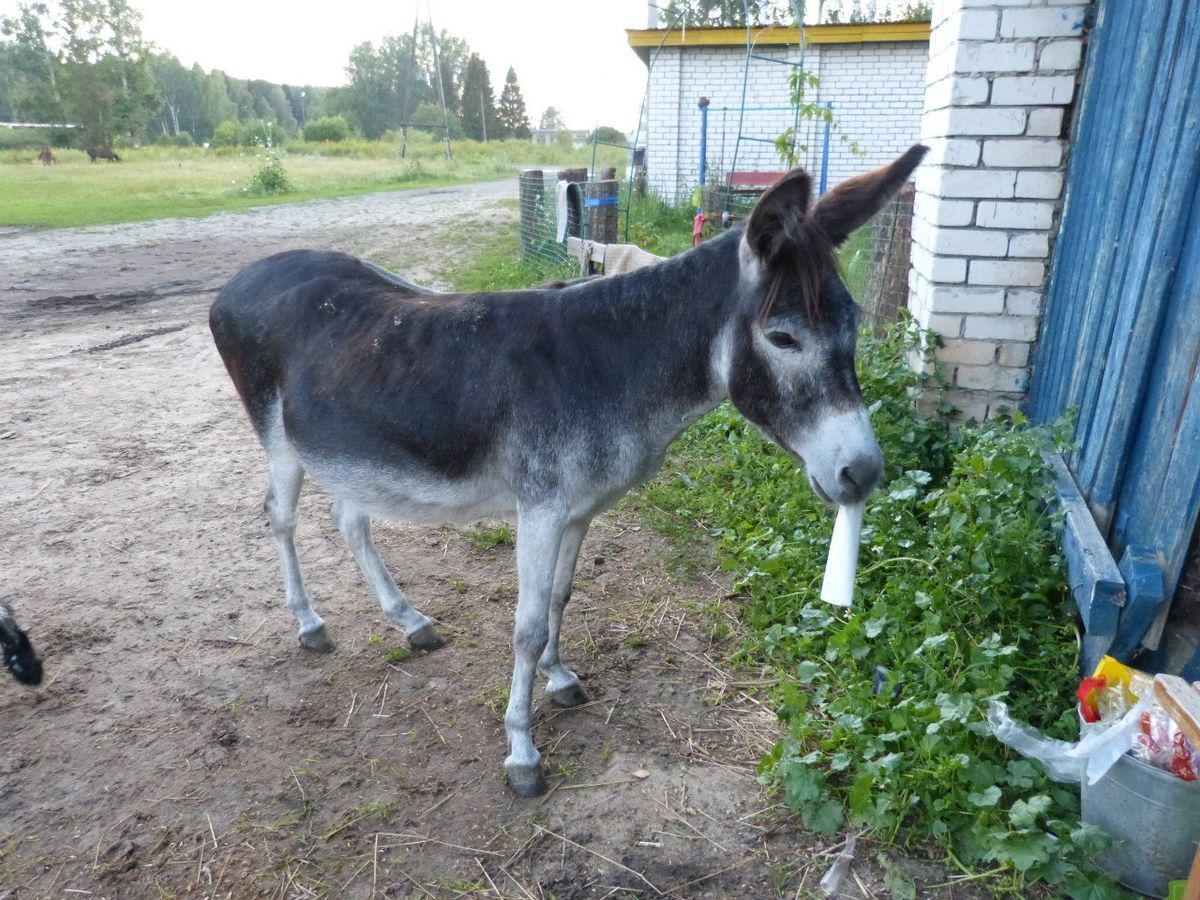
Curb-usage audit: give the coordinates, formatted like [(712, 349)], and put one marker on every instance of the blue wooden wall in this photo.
[(1120, 339)]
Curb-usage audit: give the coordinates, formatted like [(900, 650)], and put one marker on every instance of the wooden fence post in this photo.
[(601, 206)]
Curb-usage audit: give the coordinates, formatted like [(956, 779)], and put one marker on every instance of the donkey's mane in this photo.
[(803, 256)]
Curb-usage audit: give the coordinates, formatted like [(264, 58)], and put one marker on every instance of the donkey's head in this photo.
[(791, 365)]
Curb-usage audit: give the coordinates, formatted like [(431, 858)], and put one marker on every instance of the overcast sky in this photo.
[(569, 54)]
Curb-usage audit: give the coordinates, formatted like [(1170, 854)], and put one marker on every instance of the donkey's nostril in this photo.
[(861, 475)]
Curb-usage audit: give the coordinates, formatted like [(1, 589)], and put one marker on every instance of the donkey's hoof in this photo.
[(526, 781), (425, 638), (566, 697), (317, 640)]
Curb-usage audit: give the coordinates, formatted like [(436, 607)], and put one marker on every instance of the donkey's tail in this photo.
[(18, 652)]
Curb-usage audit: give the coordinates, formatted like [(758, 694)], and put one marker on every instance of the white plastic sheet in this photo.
[(1063, 761)]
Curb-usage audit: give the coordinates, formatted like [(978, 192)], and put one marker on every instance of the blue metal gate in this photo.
[(1120, 340)]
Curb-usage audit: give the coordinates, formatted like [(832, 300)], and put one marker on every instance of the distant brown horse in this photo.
[(47, 156), (103, 151)]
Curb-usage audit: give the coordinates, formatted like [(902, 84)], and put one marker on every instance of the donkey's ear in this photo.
[(854, 201), (784, 201)]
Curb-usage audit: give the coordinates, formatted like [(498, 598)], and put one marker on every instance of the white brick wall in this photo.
[(988, 196), (877, 90)]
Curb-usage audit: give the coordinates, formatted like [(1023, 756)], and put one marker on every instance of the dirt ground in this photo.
[(183, 744)]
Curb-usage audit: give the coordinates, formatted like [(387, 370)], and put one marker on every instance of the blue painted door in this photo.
[(1120, 339)]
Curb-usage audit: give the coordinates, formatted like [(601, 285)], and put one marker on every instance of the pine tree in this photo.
[(511, 110), (479, 118)]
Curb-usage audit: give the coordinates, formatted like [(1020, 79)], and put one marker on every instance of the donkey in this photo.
[(18, 652), (548, 403)]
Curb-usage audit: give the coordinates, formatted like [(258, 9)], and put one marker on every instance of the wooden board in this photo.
[(1144, 600), (1182, 703), (1096, 583)]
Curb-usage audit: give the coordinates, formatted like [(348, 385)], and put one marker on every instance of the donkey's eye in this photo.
[(783, 340)]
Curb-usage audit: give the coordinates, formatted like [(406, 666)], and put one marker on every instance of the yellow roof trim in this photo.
[(865, 33)]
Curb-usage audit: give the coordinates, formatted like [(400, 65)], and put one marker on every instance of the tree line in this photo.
[(87, 63)]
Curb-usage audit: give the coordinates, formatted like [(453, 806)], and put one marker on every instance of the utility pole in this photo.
[(483, 115), (408, 80), (437, 65)]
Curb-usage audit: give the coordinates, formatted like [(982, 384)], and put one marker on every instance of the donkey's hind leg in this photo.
[(283, 493), (355, 526), (563, 687)]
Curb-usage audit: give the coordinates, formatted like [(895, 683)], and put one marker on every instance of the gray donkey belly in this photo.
[(579, 476)]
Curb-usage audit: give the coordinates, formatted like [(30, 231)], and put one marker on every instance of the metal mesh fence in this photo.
[(876, 264), (562, 203)]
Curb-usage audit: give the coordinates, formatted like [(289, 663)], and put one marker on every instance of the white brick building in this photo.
[(873, 74), (1001, 74)]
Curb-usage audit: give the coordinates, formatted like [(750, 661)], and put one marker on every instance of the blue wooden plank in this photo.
[(1160, 498), (1052, 359), (1144, 600), (1082, 254), (1096, 582), (1120, 118), (1172, 172), (1150, 166)]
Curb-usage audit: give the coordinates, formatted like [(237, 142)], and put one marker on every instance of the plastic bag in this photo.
[(1063, 761), (1161, 744)]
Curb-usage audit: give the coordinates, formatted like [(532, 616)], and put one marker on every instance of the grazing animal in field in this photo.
[(548, 403), (47, 156), (18, 652), (102, 152)]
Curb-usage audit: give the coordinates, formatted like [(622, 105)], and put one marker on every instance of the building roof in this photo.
[(645, 40)]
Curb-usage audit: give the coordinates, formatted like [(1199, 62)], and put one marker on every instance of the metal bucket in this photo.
[(1154, 821)]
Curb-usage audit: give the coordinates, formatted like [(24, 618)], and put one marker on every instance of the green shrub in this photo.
[(327, 128), (228, 134), (183, 139), (270, 177), (25, 139)]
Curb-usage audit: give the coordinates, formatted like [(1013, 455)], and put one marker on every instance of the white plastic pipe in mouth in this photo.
[(840, 566)]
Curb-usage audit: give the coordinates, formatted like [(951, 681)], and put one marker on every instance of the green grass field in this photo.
[(159, 182)]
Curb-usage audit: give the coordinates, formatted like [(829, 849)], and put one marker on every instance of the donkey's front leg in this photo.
[(539, 534), (563, 687)]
